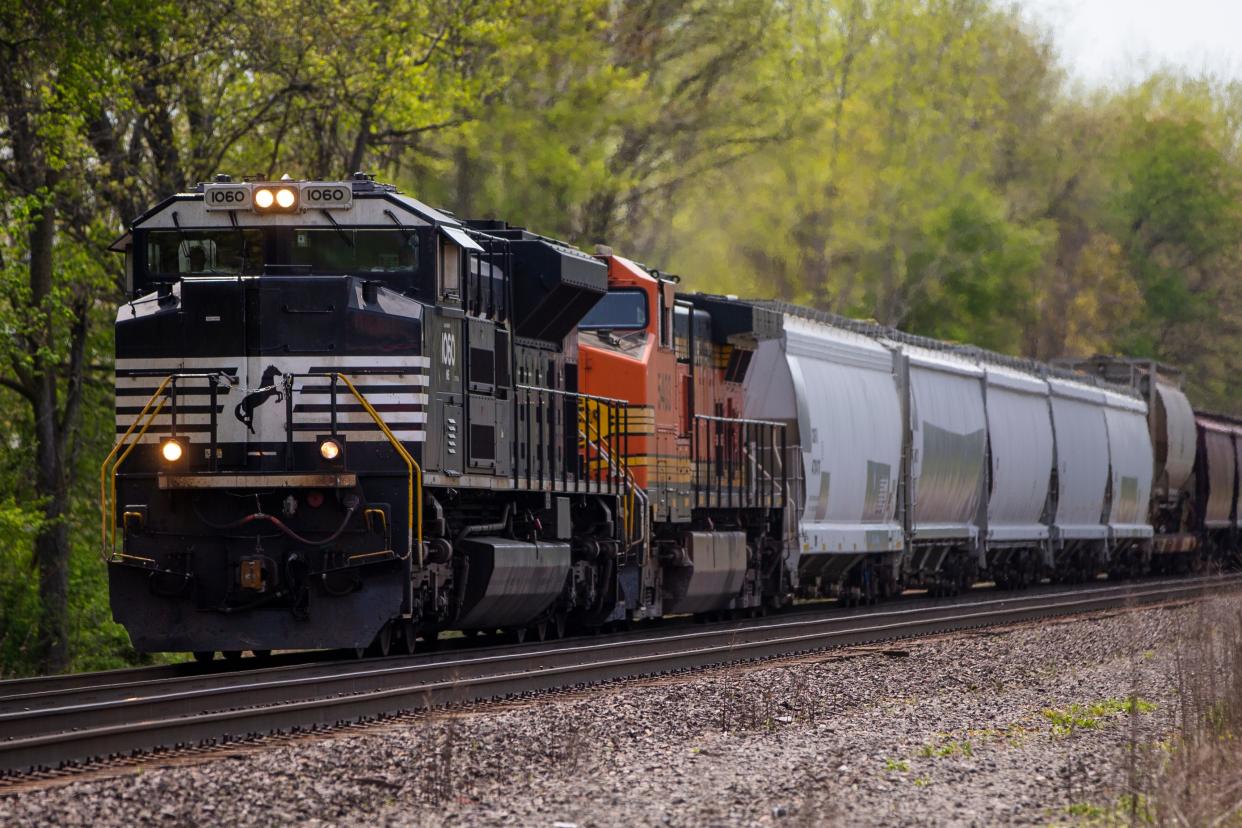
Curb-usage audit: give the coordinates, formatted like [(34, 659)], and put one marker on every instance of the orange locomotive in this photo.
[(715, 482)]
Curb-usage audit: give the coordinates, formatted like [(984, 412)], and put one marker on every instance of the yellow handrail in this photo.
[(107, 494), (128, 450), (415, 480), (104, 500), (617, 464)]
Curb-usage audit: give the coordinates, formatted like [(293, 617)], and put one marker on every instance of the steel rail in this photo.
[(262, 704), (169, 683), (26, 693)]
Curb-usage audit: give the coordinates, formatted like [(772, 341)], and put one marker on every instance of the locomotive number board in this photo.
[(311, 196)]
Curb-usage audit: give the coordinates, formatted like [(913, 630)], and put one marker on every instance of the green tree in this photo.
[(52, 280), (1180, 225)]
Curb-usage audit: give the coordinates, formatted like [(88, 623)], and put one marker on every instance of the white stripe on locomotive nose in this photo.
[(343, 397), (325, 417), (291, 364), (370, 378), (164, 419), (201, 437), (199, 417), (133, 403)]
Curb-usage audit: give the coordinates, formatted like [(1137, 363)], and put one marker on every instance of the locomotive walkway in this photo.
[(46, 723)]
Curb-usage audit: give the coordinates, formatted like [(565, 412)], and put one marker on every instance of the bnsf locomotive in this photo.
[(348, 420)]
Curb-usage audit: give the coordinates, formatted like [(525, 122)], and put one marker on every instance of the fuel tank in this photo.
[(510, 583)]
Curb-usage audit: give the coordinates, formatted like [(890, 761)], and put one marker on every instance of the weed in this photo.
[(1192, 777), (1089, 717), (949, 748), (1084, 810), (898, 765)]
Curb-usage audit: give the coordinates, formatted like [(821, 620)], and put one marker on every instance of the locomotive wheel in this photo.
[(204, 656), (382, 645), (409, 635), (232, 655)]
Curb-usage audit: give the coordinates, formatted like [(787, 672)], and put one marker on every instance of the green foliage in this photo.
[(1088, 717), (951, 747)]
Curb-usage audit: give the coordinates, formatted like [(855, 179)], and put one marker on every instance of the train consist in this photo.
[(348, 420)]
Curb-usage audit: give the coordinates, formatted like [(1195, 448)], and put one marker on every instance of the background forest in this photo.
[(922, 162)]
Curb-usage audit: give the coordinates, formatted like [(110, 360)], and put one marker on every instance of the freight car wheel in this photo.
[(204, 656), (262, 655), (232, 655)]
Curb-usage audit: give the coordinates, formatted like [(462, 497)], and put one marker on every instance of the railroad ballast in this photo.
[(348, 420)]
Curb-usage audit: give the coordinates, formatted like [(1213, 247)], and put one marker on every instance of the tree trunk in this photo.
[(51, 481)]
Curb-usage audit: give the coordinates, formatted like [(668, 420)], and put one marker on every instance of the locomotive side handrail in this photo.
[(759, 476), (600, 448), (107, 511), (414, 501), (165, 392)]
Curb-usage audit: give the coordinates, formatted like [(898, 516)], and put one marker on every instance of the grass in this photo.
[(952, 747), (1116, 814), (1090, 716), (1193, 776)]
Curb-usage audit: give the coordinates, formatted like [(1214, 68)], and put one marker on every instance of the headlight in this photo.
[(329, 450), (171, 450), (286, 198), (264, 199)]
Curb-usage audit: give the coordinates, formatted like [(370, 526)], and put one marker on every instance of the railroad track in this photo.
[(49, 725)]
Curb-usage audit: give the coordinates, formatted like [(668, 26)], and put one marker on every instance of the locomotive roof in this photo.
[(372, 204)]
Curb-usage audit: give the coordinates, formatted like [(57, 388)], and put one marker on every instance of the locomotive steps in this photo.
[(86, 720)]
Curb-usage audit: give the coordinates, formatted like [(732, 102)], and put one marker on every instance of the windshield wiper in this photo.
[(339, 228)]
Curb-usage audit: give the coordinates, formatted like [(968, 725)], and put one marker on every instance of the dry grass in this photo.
[(1194, 777)]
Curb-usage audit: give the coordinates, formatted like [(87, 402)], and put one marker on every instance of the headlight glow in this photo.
[(171, 450), (329, 449), (285, 198), (263, 199)]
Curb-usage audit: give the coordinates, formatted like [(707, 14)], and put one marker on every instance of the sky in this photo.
[(1111, 42)]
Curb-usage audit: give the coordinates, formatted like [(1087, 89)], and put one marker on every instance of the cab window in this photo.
[(348, 251), (204, 252), (617, 310)]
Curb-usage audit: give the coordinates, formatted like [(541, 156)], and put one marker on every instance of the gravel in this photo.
[(964, 730)]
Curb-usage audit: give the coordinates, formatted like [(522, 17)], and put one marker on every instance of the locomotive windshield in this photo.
[(204, 252), (617, 310), (400, 257), (345, 250)]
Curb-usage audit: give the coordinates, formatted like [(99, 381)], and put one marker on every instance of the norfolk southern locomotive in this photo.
[(348, 420)]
